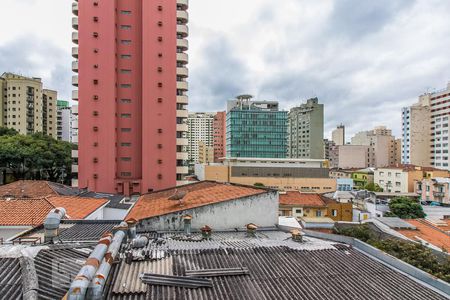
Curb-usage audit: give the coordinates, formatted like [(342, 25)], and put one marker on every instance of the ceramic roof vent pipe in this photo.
[(251, 229), (297, 236), (206, 232), (132, 223), (52, 223), (187, 224)]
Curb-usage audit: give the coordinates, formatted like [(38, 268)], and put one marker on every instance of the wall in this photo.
[(96, 215), (7, 232), (114, 213), (310, 185), (353, 156), (344, 211), (261, 210)]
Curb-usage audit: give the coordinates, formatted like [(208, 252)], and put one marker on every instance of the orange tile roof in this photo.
[(32, 212), (197, 195), (428, 232), (302, 199), (27, 189)]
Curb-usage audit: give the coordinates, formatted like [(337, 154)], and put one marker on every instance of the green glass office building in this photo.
[(256, 129)]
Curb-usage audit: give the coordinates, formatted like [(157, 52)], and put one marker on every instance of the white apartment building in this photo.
[(439, 142), (74, 124), (200, 128)]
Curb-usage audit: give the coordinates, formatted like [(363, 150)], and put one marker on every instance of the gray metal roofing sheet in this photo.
[(395, 222), (87, 231), (10, 278)]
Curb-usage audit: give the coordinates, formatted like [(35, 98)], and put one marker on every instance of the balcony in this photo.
[(183, 44), (75, 66), (183, 3), (74, 182), (183, 113), (75, 95), (182, 127), (182, 141), (75, 8), (75, 80), (183, 16), (182, 155), (74, 168), (184, 72), (74, 153), (75, 37), (182, 85), (182, 57), (181, 29), (182, 99), (75, 23), (182, 170), (75, 52)]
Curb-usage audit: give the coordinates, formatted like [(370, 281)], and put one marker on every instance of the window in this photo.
[(125, 116), (125, 27), (125, 129), (125, 100), (125, 71), (298, 211), (125, 144), (125, 12), (125, 174), (334, 212), (125, 85), (125, 56), (318, 213), (125, 42), (125, 158)]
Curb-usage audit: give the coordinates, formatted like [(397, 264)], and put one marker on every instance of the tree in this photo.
[(36, 157), (373, 187), (405, 208), (259, 184), (8, 131)]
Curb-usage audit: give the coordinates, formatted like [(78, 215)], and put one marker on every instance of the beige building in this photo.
[(205, 153), (416, 129), (402, 178), (352, 156), (305, 175), (26, 106), (381, 143), (338, 135)]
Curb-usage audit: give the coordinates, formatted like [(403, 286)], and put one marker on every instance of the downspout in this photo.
[(80, 284), (97, 285)]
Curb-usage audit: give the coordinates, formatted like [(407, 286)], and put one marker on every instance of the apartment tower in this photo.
[(220, 138), (200, 129), (338, 135), (132, 88)]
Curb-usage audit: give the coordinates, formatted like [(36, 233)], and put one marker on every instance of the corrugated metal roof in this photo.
[(10, 278), (274, 273), (86, 231)]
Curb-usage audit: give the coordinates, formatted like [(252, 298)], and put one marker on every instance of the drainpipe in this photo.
[(97, 285), (187, 224), (52, 222), (80, 284)]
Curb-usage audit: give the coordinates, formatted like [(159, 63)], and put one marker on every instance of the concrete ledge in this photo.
[(389, 260)]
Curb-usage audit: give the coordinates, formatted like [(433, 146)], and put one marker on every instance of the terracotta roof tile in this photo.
[(197, 194), (297, 198), (428, 232), (32, 212), (27, 189)]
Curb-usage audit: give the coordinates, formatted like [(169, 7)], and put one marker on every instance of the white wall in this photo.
[(7, 232), (261, 210), (114, 213), (96, 215)]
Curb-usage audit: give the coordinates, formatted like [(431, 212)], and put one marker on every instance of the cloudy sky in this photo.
[(363, 59)]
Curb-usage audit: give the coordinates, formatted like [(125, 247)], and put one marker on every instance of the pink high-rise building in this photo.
[(132, 94), (220, 139)]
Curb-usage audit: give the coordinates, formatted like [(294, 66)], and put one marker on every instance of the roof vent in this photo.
[(297, 236), (251, 229), (187, 224), (206, 232)]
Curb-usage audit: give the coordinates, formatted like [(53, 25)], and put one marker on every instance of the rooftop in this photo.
[(301, 199), (426, 231), (189, 196), (32, 212), (410, 167)]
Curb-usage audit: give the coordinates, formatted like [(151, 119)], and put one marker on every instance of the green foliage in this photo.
[(405, 208), (36, 157), (412, 253), (8, 131), (259, 184), (373, 187)]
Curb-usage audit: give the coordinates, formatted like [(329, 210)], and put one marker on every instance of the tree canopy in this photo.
[(35, 157), (405, 208), (373, 187)]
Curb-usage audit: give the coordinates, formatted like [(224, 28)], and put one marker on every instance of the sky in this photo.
[(363, 59)]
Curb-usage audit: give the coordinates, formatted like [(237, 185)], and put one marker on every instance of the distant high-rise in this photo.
[(255, 129), (26, 106), (63, 120), (305, 130), (200, 129), (220, 138), (132, 84), (338, 135)]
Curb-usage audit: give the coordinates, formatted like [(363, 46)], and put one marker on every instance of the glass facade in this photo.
[(256, 133)]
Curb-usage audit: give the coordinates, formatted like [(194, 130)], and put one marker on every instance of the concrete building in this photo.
[(132, 83), (305, 130), (306, 175), (363, 177), (381, 143), (200, 129), (220, 137), (440, 113), (63, 120), (402, 178), (26, 106), (329, 147), (255, 129), (433, 189), (344, 184), (416, 133), (74, 124), (338, 135), (218, 205), (205, 153), (351, 156)]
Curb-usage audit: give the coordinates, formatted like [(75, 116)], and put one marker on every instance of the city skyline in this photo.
[(359, 66)]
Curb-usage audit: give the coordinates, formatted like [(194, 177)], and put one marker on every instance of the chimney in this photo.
[(251, 229), (187, 224), (52, 222), (131, 228), (206, 232), (296, 236)]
